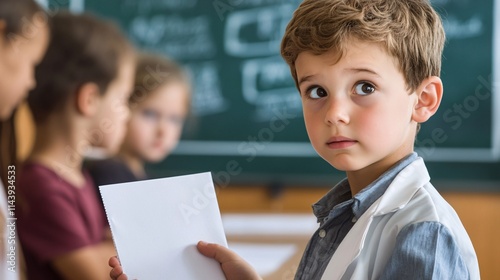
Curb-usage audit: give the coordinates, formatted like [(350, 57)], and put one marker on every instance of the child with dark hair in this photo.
[(83, 84), (24, 35)]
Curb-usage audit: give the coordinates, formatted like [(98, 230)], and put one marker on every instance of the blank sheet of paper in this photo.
[(156, 225)]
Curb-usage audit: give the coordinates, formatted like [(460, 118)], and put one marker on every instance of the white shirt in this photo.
[(408, 200)]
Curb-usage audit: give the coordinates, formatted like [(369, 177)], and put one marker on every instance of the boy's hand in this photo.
[(233, 266), (116, 269)]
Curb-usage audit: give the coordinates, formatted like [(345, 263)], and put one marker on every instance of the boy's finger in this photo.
[(217, 252), (113, 261), (116, 272)]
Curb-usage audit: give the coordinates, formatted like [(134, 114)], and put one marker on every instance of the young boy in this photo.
[(367, 72)]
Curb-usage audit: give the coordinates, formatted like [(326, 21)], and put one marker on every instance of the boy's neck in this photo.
[(360, 179), (134, 163)]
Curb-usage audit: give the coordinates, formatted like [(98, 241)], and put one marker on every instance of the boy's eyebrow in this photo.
[(305, 79), (357, 70)]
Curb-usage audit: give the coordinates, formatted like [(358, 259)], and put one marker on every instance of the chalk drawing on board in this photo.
[(207, 97), (266, 84), (75, 6), (179, 37), (256, 32), (460, 29), (146, 6)]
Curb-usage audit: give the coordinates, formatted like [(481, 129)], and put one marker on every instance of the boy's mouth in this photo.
[(340, 142)]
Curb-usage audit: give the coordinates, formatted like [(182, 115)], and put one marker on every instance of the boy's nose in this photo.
[(337, 111)]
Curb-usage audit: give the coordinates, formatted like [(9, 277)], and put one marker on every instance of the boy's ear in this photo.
[(88, 98), (429, 94)]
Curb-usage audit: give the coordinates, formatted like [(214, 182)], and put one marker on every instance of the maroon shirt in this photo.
[(58, 218)]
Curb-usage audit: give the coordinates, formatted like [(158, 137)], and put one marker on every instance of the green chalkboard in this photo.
[(249, 127)]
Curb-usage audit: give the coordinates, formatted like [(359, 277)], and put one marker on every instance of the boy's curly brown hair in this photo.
[(410, 31)]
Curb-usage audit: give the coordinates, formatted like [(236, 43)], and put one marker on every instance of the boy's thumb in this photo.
[(217, 252)]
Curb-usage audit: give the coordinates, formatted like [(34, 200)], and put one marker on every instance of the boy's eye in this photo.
[(364, 88), (316, 92)]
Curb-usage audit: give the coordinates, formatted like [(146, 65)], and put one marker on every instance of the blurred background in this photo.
[(247, 126)]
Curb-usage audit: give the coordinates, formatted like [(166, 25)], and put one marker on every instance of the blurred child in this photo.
[(24, 35), (83, 84), (159, 105), (368, 75)]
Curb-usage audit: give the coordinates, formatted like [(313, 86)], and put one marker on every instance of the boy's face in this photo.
[(357, 111)]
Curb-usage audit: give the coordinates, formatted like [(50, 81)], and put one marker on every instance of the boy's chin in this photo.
[(343, 163)]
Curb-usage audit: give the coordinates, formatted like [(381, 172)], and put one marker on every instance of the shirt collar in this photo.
[(366, 197)]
